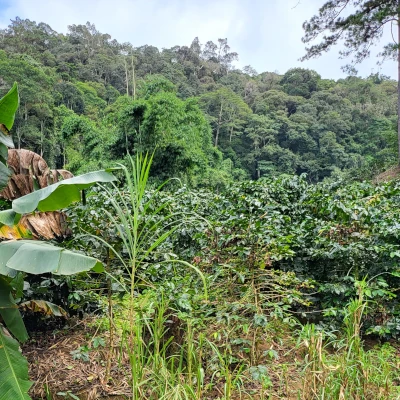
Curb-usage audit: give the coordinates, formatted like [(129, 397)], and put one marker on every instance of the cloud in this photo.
[(266, 33)]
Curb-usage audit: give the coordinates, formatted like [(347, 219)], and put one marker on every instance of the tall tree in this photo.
[(300, 82), (226, 112), (359, 30), (219, 55)]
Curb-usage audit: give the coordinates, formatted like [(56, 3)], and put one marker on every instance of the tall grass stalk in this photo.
[(233, 379), (143, 227), (341, 368)]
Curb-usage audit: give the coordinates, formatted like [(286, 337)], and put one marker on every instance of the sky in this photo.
[(265, 33)]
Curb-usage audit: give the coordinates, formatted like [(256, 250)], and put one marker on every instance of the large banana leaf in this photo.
[(10, 313), (8, 107), (14, 380), (37, 257), (60, 194)]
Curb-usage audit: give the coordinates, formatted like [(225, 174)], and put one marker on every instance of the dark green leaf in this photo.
[(14, 380), (10, 313), (8, 107)]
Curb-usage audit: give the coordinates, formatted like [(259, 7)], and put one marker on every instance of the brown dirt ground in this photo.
[(53, 368)]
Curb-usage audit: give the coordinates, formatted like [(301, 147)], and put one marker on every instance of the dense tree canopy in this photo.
[(88, 100)]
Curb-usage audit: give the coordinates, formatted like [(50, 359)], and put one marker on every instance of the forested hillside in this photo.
[(269, 269), (87, 100)]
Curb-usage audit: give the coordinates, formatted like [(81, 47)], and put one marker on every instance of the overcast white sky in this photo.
[(266, 33)]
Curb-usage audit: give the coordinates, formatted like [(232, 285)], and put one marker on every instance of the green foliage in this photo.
[(266, 251), (32, 257), (350, 371), (9, 310), (300, 82), (258, 244), (39, 258), (175, 130), (178, 133), (126, 98), (8, 106), (360, 29), (4, 173), (332, 233), (155, 84), (93, 103), (13, 370), (53, 197), (226, 111)]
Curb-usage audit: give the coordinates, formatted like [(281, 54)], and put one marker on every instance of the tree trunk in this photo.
[(398, 87), (126, 78), (218, 126), (133, 80), (126, 142)]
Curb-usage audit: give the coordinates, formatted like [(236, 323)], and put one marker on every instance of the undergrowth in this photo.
[(234, 352), (338, 366), (252, 294)]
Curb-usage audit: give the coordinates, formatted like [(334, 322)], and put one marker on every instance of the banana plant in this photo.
[(33, 257), (8, 107)]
